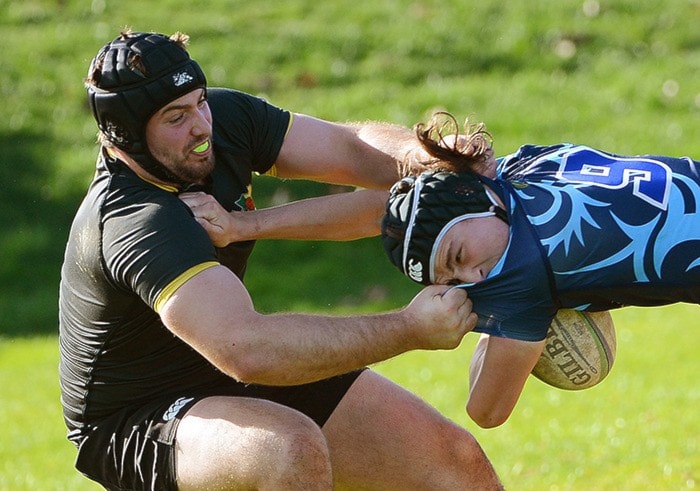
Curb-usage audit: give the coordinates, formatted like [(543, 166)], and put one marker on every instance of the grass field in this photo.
[(618, 74), (638, 430)]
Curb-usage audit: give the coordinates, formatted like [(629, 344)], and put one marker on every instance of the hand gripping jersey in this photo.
[(590, 231), (131, 244)]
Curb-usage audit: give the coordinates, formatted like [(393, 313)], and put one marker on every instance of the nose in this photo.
[(470, 275), (202, 122)]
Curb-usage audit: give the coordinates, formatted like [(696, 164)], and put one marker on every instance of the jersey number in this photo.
[(651, 179)]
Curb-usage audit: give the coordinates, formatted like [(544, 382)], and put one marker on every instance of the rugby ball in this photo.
[(579, 351)]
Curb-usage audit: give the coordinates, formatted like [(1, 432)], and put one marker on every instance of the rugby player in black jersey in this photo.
[(170, 379)]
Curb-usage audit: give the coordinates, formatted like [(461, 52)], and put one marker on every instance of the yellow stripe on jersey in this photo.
[(165, 187), (168, 291), (272, 171)]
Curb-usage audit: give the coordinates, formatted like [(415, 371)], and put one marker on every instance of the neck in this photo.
[(140, 171)]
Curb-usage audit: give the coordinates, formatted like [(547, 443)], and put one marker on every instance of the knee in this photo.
[(467, 448), (466, 454), (302, 458), (250, 444)]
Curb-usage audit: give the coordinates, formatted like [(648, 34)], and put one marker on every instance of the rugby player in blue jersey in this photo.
[(545, 228)]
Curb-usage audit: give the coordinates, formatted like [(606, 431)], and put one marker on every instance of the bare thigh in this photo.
[(383, 437), (242, 443)]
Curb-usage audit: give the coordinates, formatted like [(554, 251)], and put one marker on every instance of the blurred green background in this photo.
[(619, 75)]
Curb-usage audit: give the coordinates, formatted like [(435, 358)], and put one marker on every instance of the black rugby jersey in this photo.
[(130, 242)]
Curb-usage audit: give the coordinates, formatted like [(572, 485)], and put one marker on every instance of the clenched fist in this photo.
[(440, 316)]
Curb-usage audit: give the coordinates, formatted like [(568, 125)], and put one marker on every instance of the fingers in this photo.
[(209, 214), (191, 196), (203, 206), (196, 199), (456, 299), (207, 225), (450, 294), (471, 319)]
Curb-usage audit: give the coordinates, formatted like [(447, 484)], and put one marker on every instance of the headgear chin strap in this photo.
[(129, 80)]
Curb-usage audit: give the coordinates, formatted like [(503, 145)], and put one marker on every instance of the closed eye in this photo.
[(460, 255)]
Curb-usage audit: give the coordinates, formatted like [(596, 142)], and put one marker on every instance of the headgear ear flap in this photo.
[(129, 80)]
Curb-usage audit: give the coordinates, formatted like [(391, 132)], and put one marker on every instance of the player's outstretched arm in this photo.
[(214, 314), (497, 374), (343, 216)]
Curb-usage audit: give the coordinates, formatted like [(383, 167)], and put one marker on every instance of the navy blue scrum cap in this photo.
[(421, 209)]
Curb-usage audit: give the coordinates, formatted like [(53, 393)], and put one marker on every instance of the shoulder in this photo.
[(131, 206), (225, 102), (149, 238), (128, 195), (247, 125), (235, 111), (219, 95), (521, 162)]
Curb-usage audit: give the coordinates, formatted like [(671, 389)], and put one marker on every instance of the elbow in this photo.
[(246, 368), (240, 354), (486, 418), (241, 361)]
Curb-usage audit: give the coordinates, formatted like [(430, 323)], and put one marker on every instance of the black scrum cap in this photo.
[(420, 210), (129, 80)]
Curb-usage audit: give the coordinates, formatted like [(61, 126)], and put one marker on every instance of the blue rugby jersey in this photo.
[(607, 230)]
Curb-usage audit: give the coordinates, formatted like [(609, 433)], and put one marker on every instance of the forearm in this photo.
[(291, 349), (394, 141), (297, 348), (498, 372), (344, 216), (213, 313), (477, 361)]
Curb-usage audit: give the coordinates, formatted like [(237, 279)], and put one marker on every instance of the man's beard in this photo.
[(193, 173)]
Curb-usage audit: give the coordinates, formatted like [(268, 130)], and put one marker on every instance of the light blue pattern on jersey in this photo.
[(609, 221)]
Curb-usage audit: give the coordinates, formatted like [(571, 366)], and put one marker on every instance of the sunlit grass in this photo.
[(637, 430)]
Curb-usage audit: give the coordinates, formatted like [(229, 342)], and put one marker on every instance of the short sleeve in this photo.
[(248, 125), (150, 243)]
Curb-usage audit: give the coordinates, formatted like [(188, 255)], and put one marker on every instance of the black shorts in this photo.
[(134, 449)]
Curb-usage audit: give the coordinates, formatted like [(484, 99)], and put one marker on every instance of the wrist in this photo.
[(407, 330), (237, 228)]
